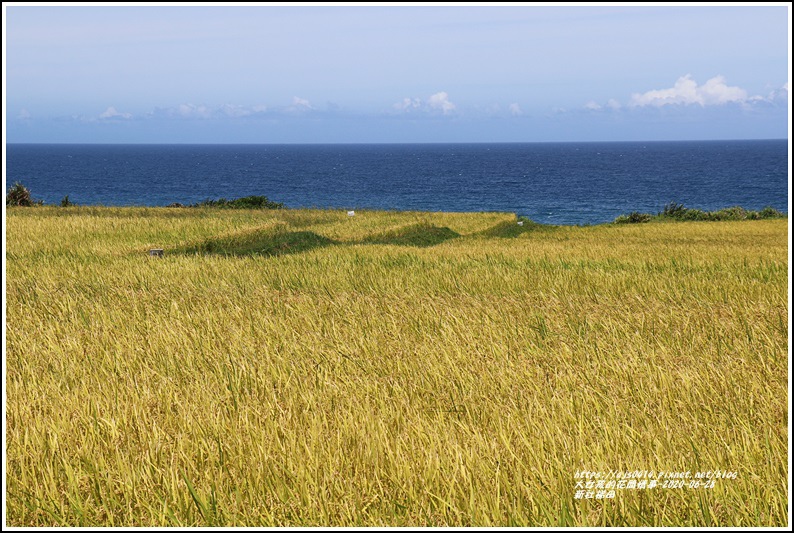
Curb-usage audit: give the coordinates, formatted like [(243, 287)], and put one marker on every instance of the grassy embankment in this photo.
[(389, 369)]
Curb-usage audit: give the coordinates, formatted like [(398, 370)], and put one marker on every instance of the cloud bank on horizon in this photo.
[(684, 92), (408, 74)]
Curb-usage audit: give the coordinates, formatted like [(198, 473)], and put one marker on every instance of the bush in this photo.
[(695, 214), (66, 203), (20, 195), (634, 217), (679, 212), (674, 210), (730, 213), (246, 202), (770, 212)]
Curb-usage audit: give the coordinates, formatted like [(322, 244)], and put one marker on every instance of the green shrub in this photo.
[(679, 212), (634, 217), (246, 202), (770, 212), (673, 210), (20, 195), (731, 213), (695, 214), (66, 203)]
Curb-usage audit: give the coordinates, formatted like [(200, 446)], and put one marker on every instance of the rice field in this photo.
[(309, 368)]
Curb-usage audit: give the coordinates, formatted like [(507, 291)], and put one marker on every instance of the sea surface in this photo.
[(552, 183)]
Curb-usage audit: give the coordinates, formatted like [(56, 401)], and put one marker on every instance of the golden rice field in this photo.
[(306, 368)]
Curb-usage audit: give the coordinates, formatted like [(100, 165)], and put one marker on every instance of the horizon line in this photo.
[(391, 142)]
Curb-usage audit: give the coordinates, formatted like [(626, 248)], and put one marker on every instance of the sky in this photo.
[(380, 73)]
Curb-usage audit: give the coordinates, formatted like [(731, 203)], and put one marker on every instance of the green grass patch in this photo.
[(267, 242), (422, 235), (677, 212), (246, 202), (514, 228)]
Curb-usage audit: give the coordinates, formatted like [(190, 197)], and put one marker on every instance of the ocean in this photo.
[(550, 183)]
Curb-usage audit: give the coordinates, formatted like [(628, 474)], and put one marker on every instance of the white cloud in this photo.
[(779, 95), (441, 101), (234, 111), (408, 103), (612, 105), (686, 91), (515, 109), (434, 103), (301, 103), (111, 113), (299, 106), (193, 111)]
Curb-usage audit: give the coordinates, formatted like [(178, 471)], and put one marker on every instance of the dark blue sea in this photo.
[(553, 183)]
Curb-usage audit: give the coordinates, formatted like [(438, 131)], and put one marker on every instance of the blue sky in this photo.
[(395, 73)]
